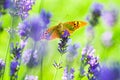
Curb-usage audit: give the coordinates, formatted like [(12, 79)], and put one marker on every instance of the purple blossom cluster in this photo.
[(14, 67), (107, 38), (2, 66), (19, 7), (109, 73), (30, 58), (89, 58), (110, 17), (16, 52), (62, 48), (35, 27), (24, 6), (68, 74), (93, 19), (72, 51), (95, 14), (33, 56)]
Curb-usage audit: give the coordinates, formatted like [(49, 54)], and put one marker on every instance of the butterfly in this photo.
[(57, 31)]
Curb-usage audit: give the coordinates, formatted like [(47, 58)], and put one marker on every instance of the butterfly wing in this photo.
[(73, 25), (56, 31), (53, 32)]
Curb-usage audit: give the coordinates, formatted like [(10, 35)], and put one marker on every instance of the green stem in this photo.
[(55, 74), (7, 49), (57, 68)]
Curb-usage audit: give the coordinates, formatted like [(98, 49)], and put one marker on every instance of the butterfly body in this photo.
[(57, 31)]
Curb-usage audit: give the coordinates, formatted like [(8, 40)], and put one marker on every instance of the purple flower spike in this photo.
[(2, 66), (97, 8), (88, 58), (96, 12), (68, 75), (62, 48), (15, 51), (73, 51), (72, 73), (13, 68), (107, 38), (110, 17), (109, 73), (26, 56), (45, 16), (65, 34), (19, 7), (88, 52), (35, 27)]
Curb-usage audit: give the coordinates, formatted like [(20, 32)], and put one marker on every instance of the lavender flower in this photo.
[(110, 17), (24, 6), (68, 75), (2, 66), (62, 48), (88, 58), (26, 56), (33, 60), (7, 4), (109, 73), (31, 77), (95, 14), (72, 49), (35, 27), (107, 38), (23, 43), (19, 7), (14, 66), (15, 51), (30, 58), (97, 7)]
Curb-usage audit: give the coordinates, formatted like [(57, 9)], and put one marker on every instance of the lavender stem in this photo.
[(57, 68), (7, 49)]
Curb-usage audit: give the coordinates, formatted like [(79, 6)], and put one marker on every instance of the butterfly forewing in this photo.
[(56, 31)]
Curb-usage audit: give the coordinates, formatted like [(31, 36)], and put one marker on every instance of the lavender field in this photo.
[(59, 40)]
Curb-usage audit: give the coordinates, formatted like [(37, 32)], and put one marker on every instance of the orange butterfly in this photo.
[(56, 31)]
